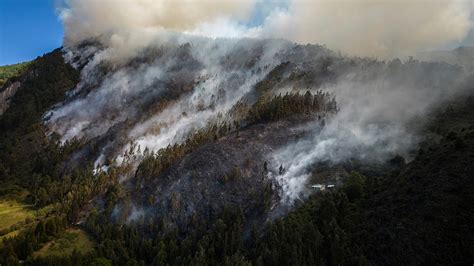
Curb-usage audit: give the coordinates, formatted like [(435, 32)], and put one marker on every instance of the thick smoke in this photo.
[(84, 19), (165, 93), (381, 28), (225, 84), (373, 28)]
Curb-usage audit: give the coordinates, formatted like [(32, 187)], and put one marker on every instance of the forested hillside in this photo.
[(420, 213), (23, 141), (208, 200)]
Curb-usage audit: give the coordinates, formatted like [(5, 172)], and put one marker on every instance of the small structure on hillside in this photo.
[(322, 187), (319, 187)]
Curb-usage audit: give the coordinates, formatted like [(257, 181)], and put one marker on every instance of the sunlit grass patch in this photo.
[(13, 212), (16, 215)]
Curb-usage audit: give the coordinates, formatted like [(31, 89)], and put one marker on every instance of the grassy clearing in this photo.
[(72, 239), (15, 215), (13, 212)]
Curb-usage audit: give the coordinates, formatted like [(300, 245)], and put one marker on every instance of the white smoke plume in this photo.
[(373, 27), (379, 118), (382, 28), (199, 79), (85, 19)]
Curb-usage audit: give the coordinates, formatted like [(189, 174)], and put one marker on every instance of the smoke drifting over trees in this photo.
[(381, 108), (173, 88), (157, 78)]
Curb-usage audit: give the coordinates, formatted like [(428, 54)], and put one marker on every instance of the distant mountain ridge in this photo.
[(463, 56)]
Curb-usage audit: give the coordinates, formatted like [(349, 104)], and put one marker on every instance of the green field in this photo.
[(13, 212), (16, 215), (72, 239)]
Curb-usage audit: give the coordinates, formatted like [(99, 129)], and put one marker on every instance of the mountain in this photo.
[(215, 151), (463, 56)]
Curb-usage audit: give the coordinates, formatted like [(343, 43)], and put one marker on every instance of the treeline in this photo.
[(25, 150), (291, 104), (146, 244), (318, 232), (31, 239), (10, 71), (33, 161)]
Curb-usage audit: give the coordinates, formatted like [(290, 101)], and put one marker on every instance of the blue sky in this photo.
[(28, 28)]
